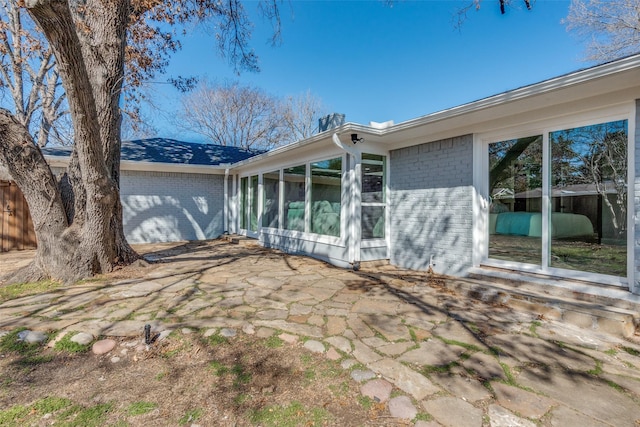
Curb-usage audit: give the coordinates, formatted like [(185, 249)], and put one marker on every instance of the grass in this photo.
[(366, 402), (631, 351), (438, 369), (64, 413), (597, 370), (470, 347), (511, 380), (421, 416), (68, 346), (218, 368), (29, 352), (19, 290), (291, 415), (216, 339), (191, 415), (273, 342), (141, 408), (533, 327)]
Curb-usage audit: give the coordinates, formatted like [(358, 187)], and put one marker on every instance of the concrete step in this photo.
[(238, 239), (605, 308)]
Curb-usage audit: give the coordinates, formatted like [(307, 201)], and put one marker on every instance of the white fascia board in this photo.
[(132, 165)]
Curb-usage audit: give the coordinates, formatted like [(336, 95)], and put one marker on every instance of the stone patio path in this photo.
[(410, 340)]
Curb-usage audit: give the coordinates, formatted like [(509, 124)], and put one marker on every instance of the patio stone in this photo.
[(464, 387), (341, 343), (433, 353), (402, 407), (395, 349), (294, 328), (405, 378), (359, 327), (373, 306), (379, 390), (453, 412), (523, 402), (363, 353), (500, 417), (335, 325)]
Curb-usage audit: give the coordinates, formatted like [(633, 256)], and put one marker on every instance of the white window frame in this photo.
[(481, 198)]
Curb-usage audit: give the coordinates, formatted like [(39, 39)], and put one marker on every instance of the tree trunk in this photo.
[(79, 230)]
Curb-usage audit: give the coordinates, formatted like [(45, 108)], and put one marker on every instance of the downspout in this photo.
[(226, 201), (353, 216)]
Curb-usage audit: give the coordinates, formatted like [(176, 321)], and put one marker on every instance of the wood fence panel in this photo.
[(16, 227)]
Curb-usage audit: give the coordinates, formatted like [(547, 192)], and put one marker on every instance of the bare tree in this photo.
[(301, 114), (78, 219), (247, 117), (611, 26), (28, 73)]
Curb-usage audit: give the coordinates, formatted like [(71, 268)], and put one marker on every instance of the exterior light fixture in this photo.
[(355, 139)]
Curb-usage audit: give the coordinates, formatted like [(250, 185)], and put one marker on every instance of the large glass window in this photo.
[(589, 198), (244, 202), (586, 196), (254, 203), (294, 196), (270, 184), (515, 188), (326, 193), (373, 176)]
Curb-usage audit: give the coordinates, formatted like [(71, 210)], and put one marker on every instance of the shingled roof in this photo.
[(171, 151)]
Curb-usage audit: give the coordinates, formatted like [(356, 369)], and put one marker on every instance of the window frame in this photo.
[(545, 128)]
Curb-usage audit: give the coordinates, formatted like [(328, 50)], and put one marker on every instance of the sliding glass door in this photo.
[(558, 200)]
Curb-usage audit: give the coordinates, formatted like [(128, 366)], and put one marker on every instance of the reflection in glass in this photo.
[(244, 202), (270, 183), (326, 191), (515, 216), (373, 196), (254, 203), (373, 222), (294, 190), (589, 198)]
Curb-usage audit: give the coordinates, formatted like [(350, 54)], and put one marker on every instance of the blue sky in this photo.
[(373, 62)]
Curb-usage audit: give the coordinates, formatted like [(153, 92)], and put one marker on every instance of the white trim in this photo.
[(139, 166), (631, 195)]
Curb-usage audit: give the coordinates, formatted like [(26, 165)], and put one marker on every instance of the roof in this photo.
[(171, 151)]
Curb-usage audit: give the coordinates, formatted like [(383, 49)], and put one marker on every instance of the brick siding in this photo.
[(430, 203), (164, 207)]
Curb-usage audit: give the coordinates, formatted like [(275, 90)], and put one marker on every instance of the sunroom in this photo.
[(325, 197)]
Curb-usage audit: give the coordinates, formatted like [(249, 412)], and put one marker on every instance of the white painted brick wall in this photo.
[(431, 212), (165, 207)]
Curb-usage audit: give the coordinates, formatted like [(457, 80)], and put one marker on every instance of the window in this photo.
[(254, 203), (515, 188), (326, 193), (589, 198), (577, 219), (244, 202), (270, 184), (373, 196), (294, 196)]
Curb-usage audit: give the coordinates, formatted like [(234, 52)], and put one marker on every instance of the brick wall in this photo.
[(163, 206), (431, 213)]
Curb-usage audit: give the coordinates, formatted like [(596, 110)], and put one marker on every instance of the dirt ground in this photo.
[(187, 380)]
